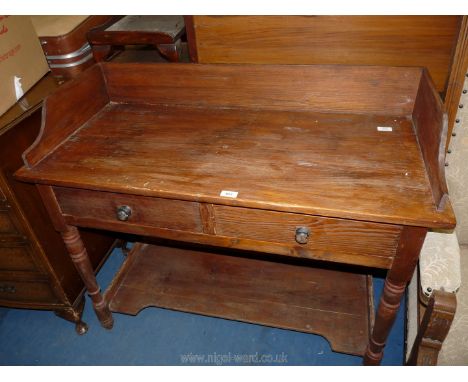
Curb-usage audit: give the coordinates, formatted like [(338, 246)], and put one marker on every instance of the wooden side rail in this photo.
[(431, 125), (66, 110)]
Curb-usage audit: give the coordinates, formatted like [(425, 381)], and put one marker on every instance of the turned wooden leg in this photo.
[(433, 328), (385, 317), (409, 246), (79, 256), (74, 314)]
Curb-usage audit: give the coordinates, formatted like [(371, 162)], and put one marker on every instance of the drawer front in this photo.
[(26, 292), (327, 236), (16, 257), (7, 225), (144, 211)]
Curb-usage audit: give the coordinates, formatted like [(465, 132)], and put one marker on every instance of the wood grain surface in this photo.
[(336, 240), (336, 165), (457, 75), (325, 88), (156, 212), (357, 40), (68, 113), (431, 127), (330, 303), (327, 236)]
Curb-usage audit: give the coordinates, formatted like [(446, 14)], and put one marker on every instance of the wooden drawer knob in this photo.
[(302, 235), (123, 213)]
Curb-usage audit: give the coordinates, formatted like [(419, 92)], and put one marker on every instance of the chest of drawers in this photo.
[(35, 271), (258, 190)]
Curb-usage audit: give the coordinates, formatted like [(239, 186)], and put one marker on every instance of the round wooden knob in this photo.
[(302, 235), (123, 213)]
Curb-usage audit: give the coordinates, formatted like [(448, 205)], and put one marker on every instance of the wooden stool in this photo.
[(162, 32)]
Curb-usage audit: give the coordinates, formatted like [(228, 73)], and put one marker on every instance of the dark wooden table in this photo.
[(280, 180)]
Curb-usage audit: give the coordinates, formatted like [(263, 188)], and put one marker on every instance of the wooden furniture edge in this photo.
[(433, 328), (279, 249), (457, 75), (191, 38), (250, 85), (55, 129), (99, 36), (106, 44), (96, 31), (445, 222), (431, 127), (102, 52), (113, 287)]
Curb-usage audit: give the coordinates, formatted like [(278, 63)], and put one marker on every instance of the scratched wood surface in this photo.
[(328, 164), (307, 141)]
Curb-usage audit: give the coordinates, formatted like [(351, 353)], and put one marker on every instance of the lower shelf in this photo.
[(334, 304)]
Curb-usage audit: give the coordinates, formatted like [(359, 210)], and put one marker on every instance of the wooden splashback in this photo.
[(345, 89)]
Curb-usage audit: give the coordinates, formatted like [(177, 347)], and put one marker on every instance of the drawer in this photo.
[(333, 239), (16, 257), (26, 292), (94, 206), (7, 225)]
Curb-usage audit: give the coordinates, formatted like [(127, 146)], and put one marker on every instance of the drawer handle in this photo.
[(123, 213), (7, 289), (302, 235)]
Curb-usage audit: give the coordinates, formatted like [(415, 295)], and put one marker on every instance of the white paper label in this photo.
[(18, 87), (229, 194), (384, 128)]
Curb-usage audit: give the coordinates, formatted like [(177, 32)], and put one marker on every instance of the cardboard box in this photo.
[(22, 61)]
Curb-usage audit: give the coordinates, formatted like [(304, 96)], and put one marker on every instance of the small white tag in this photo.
[(384, 128), (18, 87), (229, 194)]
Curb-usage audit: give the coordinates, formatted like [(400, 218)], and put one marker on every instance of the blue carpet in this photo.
[(164, 337)]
